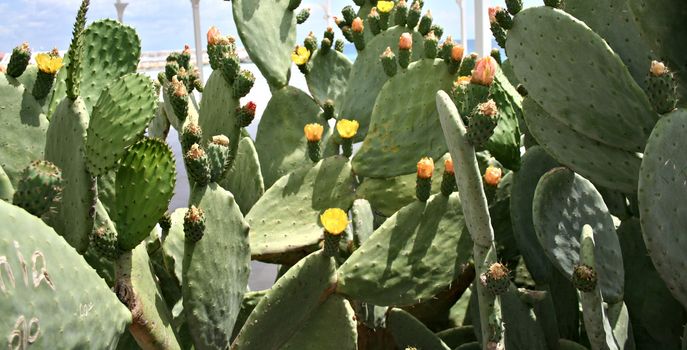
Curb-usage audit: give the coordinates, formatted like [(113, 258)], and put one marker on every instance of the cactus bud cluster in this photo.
[(39, 188), (194, 224), (19, 60), (191, 134), (661, 88), (303, 16), (423, 188), (197, 165), (389, 62), (496, 279), (178, 95), (384, 8), (105, 243), (425, 23)]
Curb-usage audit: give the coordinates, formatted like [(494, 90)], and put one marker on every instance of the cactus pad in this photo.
[(278, 227), (332, 326), (23, 125), (244, 179), (409, 333), (594, 93), (118, 120), (42, 277), (661, 197), (110, 50), (144, 185), (294, 297), (6, 188), (218, 114), (605, 165), (367, 76), (268, 32), (405, 260), (211, 305), (558, 222), (328, 76), (405, 124), (280, 141), (535, 163), (65, 143)]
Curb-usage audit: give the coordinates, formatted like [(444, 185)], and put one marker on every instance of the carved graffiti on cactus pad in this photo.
[(39, 271), (24, 333)]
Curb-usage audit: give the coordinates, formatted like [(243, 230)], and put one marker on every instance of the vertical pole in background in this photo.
[(463, 26), (482, 28), (120, 6), (196, 31)]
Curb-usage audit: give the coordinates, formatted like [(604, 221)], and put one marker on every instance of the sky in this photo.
[(168, 24)]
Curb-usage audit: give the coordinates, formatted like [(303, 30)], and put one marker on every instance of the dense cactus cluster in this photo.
[(416, 198)]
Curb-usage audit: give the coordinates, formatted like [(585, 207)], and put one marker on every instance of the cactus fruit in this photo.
[(218, 156), (105, 243), (389, 62), (179, 98), (229, 66), (514, 6), (482, 123), (310, 42), (198, 165), (431, 45), (446, 49), (218, 47), (438, 30), (425, 23), (48, 65), (496, 279), (405, 47), (467, 65), (246, 114), (554, 3), (584, 278), (165, 223), (348, 14), (313, 135), (334, 221), (661, 87), (401, 17), (194, 224), (39, 188), (347, 130), (243, 83), (19, 60), (425, 168), (503, 18), (414, 15), (373, 21), (192, 134), (171, 69), (448, 180), (496, 55), (303, 16), (455, 59), (358, 36), (328, 109), (339, 45)]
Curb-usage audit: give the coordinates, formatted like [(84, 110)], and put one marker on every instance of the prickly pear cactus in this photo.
[(41, 277)]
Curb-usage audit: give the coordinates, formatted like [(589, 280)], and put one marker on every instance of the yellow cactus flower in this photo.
[(300, 55), (48, 63), (334, 221), (347, 128), (385, 6), (425, 168), (492, 176), (313, 132)]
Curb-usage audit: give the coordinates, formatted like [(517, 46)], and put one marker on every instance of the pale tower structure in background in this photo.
[(482, 28), (196, 31), (120, 6)]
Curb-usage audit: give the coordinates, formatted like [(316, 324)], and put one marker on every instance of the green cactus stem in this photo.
[(76, 52), (165, 223), (446, 49), (476, 211), (19, 60), (389, 62), (197, 165), (39, 188), (661, 88), (401, 17), (171, 69), (431, 43), (243, 83), (425, 23), (303, 16), (194, 224), (423, 183), (325, 45), (500, 34)]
